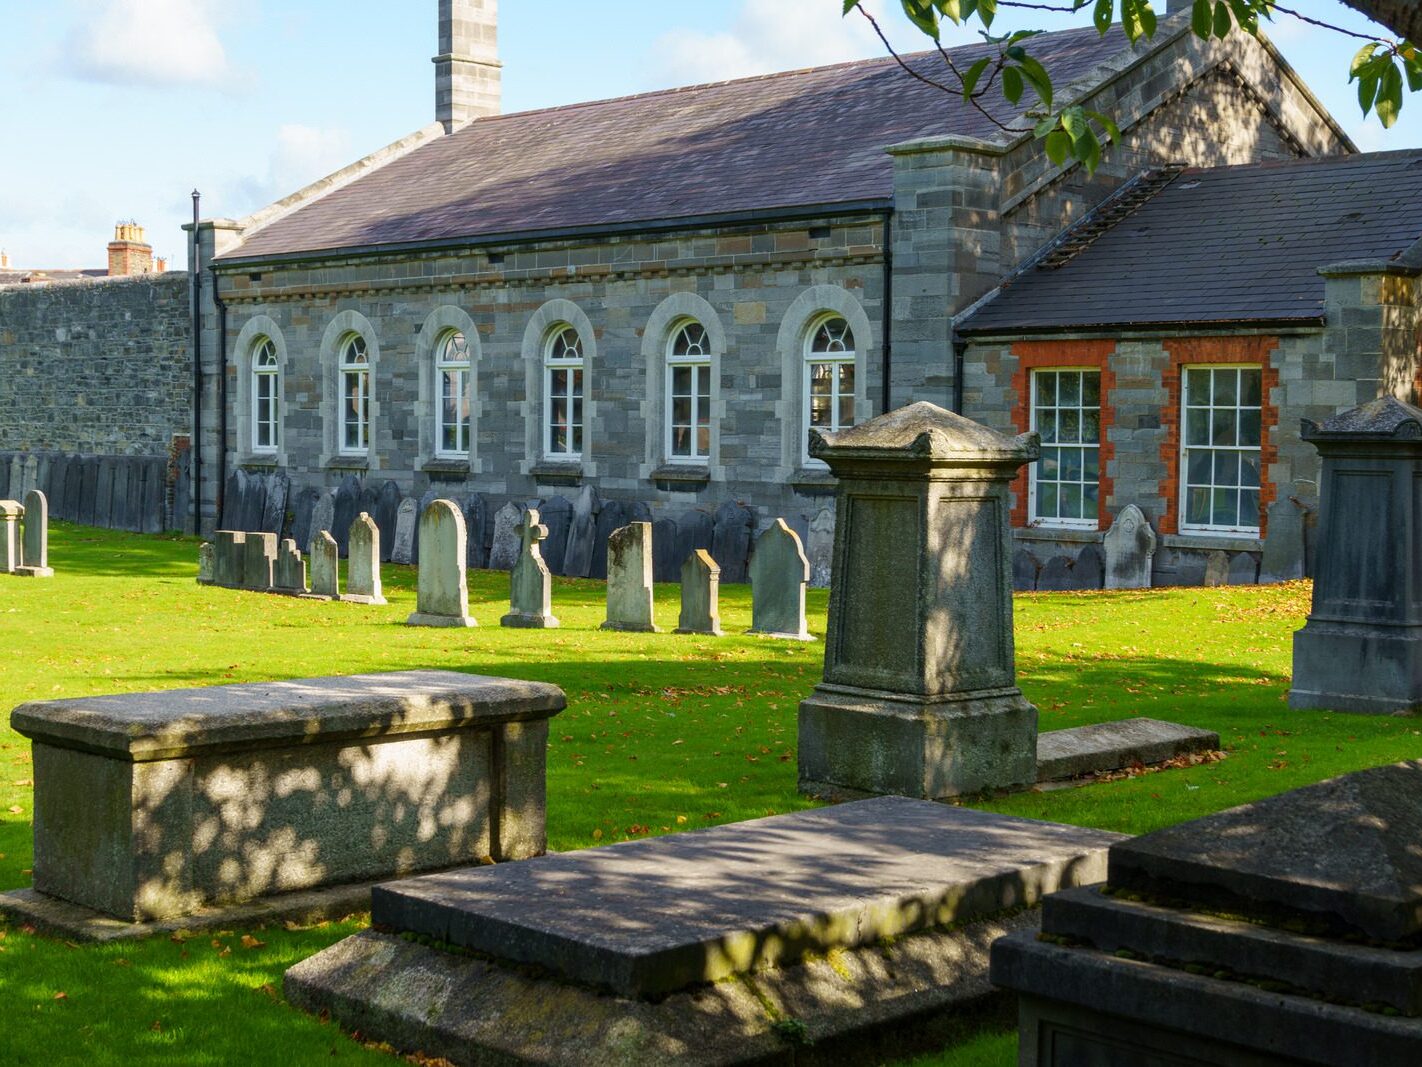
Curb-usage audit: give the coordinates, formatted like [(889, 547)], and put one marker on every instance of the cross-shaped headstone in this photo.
[(531, 532), (530, 587)]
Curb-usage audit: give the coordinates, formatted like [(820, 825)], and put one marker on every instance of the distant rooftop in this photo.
[(1221, 245)]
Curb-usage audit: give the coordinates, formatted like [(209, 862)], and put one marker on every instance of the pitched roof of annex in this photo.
[(1223, 245), (813, 137)]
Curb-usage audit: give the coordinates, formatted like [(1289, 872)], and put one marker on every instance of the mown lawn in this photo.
[(662, 733)]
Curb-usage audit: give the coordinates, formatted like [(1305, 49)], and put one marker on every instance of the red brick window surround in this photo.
[(1184, 353), (1092, 355)]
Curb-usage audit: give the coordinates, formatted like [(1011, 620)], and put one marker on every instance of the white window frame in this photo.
[(1034, 469), (845, 357), (355, 366), (574, 395), (459, 370), (699, 364), (266, 377), (1209, 529)]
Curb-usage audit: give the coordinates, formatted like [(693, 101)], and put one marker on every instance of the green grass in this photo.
[(662, 733)]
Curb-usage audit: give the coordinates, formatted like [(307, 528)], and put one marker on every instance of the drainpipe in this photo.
[(960, 348), (221, 395), (195, 286), (887, 311)]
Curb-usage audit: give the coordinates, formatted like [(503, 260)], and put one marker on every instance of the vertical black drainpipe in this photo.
[(888, 310), (960, 348), (221, 395), (195, 453)]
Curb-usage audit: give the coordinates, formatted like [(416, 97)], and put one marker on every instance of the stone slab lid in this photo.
[(1386, 418), (923, 431), (648, 917), (1346, 852), (190, 722)]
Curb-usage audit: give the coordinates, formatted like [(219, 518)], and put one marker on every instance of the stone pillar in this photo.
[(10, 513), (1361, 649), (919, 695), (468, 73)]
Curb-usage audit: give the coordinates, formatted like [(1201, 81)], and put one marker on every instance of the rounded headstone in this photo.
[(613, 516), (557, 515), (387, 505), (731, 540), (347, 508)]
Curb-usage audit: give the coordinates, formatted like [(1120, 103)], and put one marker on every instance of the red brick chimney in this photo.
[(129, 253)]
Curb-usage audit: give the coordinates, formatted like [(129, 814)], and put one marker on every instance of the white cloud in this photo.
[(300, 156), (775, 35), (149, 42)]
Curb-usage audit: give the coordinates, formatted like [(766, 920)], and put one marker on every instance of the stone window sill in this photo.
[(348, 463), (1212, 542), (557, 473), (445, 466), (684, 474), (259, 462), (1073, 534), (814, 481)]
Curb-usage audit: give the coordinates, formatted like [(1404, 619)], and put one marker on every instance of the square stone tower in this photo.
[(468, 79)]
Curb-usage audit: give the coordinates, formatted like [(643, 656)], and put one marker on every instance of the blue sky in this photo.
[(117, 109)]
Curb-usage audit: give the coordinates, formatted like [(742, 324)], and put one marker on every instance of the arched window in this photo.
[(452, 408), (688, 398), (563, 394), (355, 396), (266, 397), (829, 376)]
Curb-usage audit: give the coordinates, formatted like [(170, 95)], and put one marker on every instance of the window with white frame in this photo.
[(689, 394), (829, 376), (452, 404), (563, 395), (1221, 449), (266, 397), (1065, 484), (355, 395)]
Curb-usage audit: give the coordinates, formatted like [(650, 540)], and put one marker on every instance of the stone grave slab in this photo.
[(779, 573), (363, 563), (666, 564), (207, 563), (768, 891), (407, 521), (557, 515), (504, 551), (323, 515), (530, 586), (1109, 746), (731, 540), (259, 565), (274, 509), (387, 507), (325, 566), (289, 574), (630, 604), (1129, 547), (303, 508), (443, 595), (582, 534), (476, 520), (34, 545), (231, 557), (346, 507), (700, 595)]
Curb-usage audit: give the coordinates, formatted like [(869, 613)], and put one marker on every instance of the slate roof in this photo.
[(12, 276), (804, 138), (1223, 245)]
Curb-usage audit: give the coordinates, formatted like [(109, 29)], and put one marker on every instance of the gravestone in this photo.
[(779, 572), (429, 497), (231, 514), (121, 510), (530, 585), (613, 516), (104, 493), (303, 509), (694, 529), (1243, 568), (1284, 553), (386, 513), (73, 489), (207, 563), (54, 487), (289, 574), (89, 488), (919, 695), (346, 508), (325, 566), (274, 512), (443, 594), (323, 514), (5, 458), (254, 500), (1130, 549), (1024, 571), (1361, 649), (700, 595), (17, 477), (557, 515), (257, 567), (1296, 917), (182, 493), (1216, 568), (10, 558), (582, 534), (370, 503), (476, 520), (819, 548), (629, 579), (407, 522), (507, 547), (1089, 568), (363, 562), (731, 540), (1055, 575), (666, 564), (231, 558)]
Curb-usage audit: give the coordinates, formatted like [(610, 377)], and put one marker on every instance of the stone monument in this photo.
[(35, 549), (259, 564), (443, 592), (919, 695), (363, 562), (231, 556), (289, 574), (779, 573), (700, 595), (506, 547), (1130, 548), (10, 512), (530, 585), (325, 566), (207, 563), (1361, 649), (629, 579)]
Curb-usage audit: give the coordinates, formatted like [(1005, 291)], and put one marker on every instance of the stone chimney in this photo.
[(129, 253), (4, 260), (467, 69)]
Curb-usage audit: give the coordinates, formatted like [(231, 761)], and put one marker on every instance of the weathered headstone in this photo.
[(582, 533), (104, 493), (429, 497), (231, 516), (530, 584), (629, 579), (182, 517), (1055, 575), (363, 562), (919, 695), (613, 516), (347, 506), (261, 552), (386, 513), (1243, 568), (779, 573), (54, 487), (443, 594), (407, 523), (10, 559), (666, 566), (1089, 568), (819, 548), (370, 503), (323, 514), (1024, 571), (89, 485), (557, 515), (476, 521), (1216, 568), (1361, 649), (700, 595), (325, 566), (274, 509), (303, 510), (121, 509), (254, 500), (505, 551), (231, 558), (1130, 549), (207, 563), (1284, 556), (289, 574), (694, 529), (731, 541)]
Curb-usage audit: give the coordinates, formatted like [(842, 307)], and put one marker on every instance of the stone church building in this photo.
[(658, 296)]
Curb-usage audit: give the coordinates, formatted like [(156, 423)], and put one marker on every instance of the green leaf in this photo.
[(1088, 150), (1413, 70), (1012, 84), (922, 14), (850, 5), (975, 72), (1108, 124), (1223, 20), (1367, 93), (1045, 127), (1073, 122), (1041, 81), (1202, 20), (1361, 58), (1389, 101), (1058, 147), (987, 11)]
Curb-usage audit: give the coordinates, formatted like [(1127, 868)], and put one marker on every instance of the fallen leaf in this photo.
[(15, 809), (157, 1026), (268, 989), (248, 941), (61, 996), (597, 835)]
